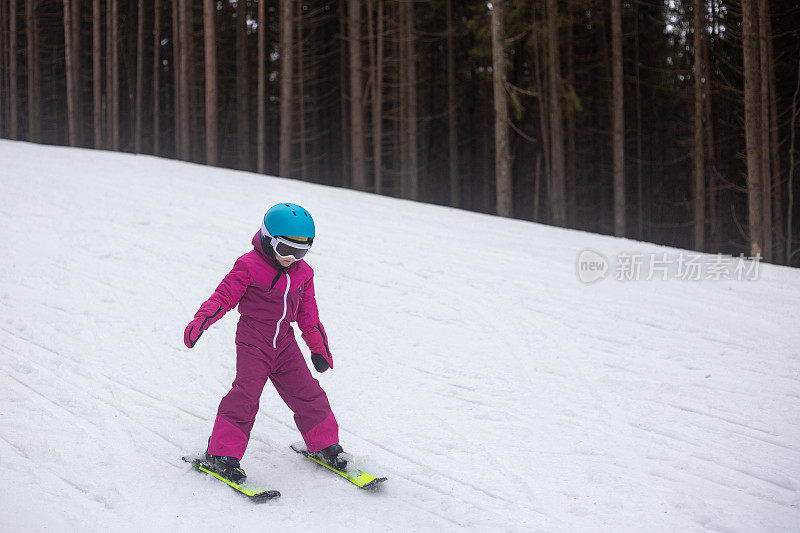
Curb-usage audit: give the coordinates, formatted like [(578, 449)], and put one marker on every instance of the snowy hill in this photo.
[(472, 366)]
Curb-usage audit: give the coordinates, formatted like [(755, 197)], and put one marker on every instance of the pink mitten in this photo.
[(317, 341), (208, 313)]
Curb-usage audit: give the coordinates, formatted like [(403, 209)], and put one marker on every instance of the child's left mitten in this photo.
[(321, 362)]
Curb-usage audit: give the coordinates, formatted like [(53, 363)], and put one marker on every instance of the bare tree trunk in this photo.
[(12, 69), (373, 81), (115, 38), (358, 157), (752, 128), (407, 77), (137, 131), (261, 160), (423, 121), (599, 195), (502, 157), (699, 155), (4, 92), (76, 55), (542, 103), (301, 96), (32, 55), (537, 180), (713, 181), (618, 113), (97, 75), (714, 194), (639, 177), (344, 116), (285, 156), (777, 185), (183, 76), (195, 99), (242, 115), (790, 178), (571, 170), (156, 70), (29, 71), (377, 99), (452, 119), (319, 115), (766, 172), (557, 186), (412, 191), (70, 68), (212, 144), (176, 81), (109, 95), (485, 195), (401, 141), (114, 93)]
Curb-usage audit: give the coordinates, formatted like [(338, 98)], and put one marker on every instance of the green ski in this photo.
[(356, 477), (252, 492)]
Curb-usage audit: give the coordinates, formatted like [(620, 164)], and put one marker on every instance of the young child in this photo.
[(273, 286)]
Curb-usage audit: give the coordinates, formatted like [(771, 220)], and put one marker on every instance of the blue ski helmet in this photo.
[(288, 220)]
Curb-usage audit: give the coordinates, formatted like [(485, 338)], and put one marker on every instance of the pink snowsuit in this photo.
[(270, 297)]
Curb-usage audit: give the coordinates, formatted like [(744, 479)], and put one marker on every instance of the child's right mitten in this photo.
[(208, 313)]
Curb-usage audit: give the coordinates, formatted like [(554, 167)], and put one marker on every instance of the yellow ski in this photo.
[(356, 477), (252, 492)]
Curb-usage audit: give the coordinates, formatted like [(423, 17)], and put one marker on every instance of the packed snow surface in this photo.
[(495, 389)]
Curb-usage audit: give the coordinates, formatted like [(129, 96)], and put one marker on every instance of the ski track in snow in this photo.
[(496, 391)]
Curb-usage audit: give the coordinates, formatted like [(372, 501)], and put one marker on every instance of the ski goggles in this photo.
[(287, 248)]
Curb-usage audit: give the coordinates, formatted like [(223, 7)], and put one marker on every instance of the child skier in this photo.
[(273, 286)]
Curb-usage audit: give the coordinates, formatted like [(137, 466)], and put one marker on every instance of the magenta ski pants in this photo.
[(287, 369)]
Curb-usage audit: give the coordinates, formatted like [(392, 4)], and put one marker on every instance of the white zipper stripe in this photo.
[(285, 294)]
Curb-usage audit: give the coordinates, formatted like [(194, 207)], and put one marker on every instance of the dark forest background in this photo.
[(668, 121)]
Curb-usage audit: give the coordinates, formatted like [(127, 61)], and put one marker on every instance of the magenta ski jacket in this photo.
[(270, 297)]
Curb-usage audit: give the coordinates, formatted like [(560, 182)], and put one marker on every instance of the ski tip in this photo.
[(299, 447), (375, 483)]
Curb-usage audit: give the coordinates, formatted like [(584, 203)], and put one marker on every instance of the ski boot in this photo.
[(333, 456), (227, 467)]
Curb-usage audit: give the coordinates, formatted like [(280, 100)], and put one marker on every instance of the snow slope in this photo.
[(473, 368)]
